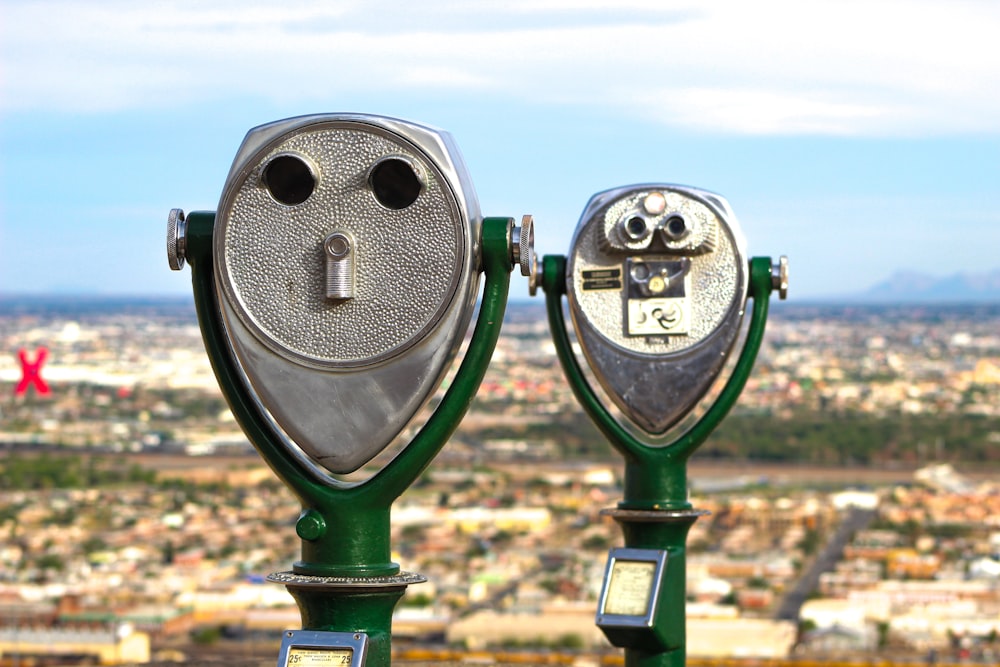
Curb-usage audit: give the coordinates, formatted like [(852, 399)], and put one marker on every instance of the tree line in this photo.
[(25, 472), (804, 438)]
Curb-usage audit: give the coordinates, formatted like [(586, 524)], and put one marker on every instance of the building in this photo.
[(107, 646)]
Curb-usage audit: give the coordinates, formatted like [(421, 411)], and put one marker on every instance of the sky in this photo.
[(857, 138)]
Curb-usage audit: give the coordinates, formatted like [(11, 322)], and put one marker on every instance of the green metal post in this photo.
[(655, 512), (345, 580)]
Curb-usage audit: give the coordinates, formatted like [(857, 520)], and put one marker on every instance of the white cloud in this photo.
[(881, 67), (442, 76), (766, 112)]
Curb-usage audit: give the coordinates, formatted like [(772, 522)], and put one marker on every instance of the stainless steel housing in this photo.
[(656, 373), (343, 376)]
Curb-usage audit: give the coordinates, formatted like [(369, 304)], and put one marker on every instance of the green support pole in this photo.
[(655, 512), (345, 580)]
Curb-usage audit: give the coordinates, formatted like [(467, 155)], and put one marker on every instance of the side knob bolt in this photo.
[(523, 252), (779, 277), (176, 239)]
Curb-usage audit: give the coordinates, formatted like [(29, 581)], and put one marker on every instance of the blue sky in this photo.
[(858, 138)]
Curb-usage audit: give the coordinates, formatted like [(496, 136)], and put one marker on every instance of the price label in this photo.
[(631, 592), (630, 588), (313, 648), (309, 657)]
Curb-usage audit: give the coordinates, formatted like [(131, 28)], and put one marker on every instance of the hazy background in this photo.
[(859, 138)]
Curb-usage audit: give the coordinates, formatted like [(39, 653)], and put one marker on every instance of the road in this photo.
[(826, 559)]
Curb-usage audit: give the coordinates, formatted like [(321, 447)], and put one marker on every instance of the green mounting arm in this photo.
[(655, 477), (345, 527)]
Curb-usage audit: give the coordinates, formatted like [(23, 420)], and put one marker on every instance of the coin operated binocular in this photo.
[(334, 286), (656, 281)]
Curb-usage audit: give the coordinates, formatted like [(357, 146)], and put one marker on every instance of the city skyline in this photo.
[(857, 141), (850, 496)]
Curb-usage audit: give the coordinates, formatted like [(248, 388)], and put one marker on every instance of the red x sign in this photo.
[(31, 373)]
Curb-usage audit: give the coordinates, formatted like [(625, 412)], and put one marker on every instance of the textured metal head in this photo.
[(346, 249), (657, 283)]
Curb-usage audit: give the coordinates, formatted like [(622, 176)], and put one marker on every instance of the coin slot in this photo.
[(395, 183), (289, 179)]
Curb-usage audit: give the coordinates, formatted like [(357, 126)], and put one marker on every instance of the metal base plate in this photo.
[(401, 580)]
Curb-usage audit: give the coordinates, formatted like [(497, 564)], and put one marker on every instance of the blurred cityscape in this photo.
[(854, 499)]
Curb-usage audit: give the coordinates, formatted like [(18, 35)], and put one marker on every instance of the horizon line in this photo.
[(860, 299)]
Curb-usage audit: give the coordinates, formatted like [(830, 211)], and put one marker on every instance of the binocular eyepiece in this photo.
[(657, 282), (346, 260)]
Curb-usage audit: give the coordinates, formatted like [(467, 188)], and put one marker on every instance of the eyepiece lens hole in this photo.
[(289, 179), (676, 227), (636, 227), (394, 183)]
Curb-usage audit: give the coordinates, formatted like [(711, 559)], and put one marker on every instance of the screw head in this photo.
[(310, 525)]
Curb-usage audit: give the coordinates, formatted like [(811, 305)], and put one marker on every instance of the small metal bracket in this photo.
[(779, 277)]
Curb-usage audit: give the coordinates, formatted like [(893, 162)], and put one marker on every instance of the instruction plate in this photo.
[(309, 648), (631, 587)]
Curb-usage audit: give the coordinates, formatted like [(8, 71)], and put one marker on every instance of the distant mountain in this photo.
[(908, 286)]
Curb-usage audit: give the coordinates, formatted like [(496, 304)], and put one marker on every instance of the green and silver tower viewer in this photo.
[(334, 286), (656, 281)]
